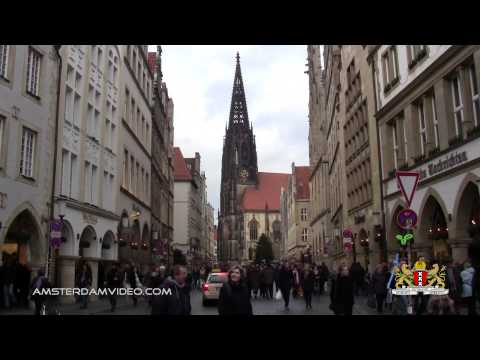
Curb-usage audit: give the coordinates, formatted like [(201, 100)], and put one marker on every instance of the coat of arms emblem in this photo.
[(420, 279)]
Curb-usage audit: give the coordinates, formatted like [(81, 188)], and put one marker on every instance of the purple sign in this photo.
[(347, 234), (55, 234), (407, 219)]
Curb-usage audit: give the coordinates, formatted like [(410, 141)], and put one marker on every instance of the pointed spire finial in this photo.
[(238, 57)]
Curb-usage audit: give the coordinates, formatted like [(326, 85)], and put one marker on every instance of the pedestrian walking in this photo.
[(380, 279), (324, 277), (263, 287), (195, 278), (467, 276), (269, 275), (296, 281), (202, 275), (133, 280), (9, 278), (358, 274), (342, 292), (39, 283), (285, 278), (114, 282), (316, 283), (178, 301), (84, 281), (254, 279), (307, 283), (22, 284), (234, 298)]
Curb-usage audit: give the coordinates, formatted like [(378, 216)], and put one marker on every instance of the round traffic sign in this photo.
[(407, 219)]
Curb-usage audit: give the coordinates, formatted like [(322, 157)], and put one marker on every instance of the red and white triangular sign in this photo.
[(407, 181)]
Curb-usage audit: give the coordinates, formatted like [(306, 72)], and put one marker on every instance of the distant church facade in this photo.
[(249, 199)]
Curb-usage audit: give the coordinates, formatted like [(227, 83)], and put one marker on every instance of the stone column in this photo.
[(459, 248), (94, 266), (67, 277)]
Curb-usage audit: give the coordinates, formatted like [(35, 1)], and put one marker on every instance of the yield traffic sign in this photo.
[(407, 181)]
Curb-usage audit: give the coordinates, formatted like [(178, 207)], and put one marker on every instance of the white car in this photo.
[(211, 288)]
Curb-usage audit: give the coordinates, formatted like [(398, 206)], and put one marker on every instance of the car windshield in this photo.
[(217, 278)]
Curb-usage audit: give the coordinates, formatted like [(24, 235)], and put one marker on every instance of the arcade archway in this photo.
[(22, 240), (434, 230)]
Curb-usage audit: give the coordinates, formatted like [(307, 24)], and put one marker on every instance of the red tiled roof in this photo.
[(181, 172), (268, 192), (302, 176), (152, 60)]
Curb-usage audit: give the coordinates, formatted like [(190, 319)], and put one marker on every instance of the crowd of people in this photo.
[(264, 281)]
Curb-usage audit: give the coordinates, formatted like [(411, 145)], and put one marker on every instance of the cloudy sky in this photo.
[(200, 79)]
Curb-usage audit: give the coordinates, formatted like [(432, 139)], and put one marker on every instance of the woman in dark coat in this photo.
[(307, 282), (254, 279), (380, 279), (343, 292), (234, 297)]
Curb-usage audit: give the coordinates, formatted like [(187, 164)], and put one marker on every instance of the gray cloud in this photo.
[(200, 78)]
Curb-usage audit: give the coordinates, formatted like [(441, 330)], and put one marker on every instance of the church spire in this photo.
[(238, 108)]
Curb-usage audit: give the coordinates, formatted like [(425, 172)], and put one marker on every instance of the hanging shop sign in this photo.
[(407, 219), (55, 234), (347, 240)]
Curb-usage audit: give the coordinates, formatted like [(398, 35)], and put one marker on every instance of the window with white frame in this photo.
[(148, 135), (2, 131), (107, 134), (147, 186), (396, 148), (132, 175), (4, 50), (142, 183), (99, 58), (475, 96), (27, 155), (108, 189), (33, 72), (126, 103), (435, 122), (303, 214), (70, 183), (137, 177), (125, 169), (457, 104), (90, 183), (405, 142), (390, 66), (415, 52), (112, 136), (253, 227), (305, 235), (422, 123)]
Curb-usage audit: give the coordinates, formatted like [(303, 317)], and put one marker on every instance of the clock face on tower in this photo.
[(243, 175)]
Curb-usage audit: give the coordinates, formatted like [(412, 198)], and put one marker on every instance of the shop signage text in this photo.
[(90, 219), (449, 161)]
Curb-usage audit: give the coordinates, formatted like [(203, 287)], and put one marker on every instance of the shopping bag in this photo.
[(278, 295)]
